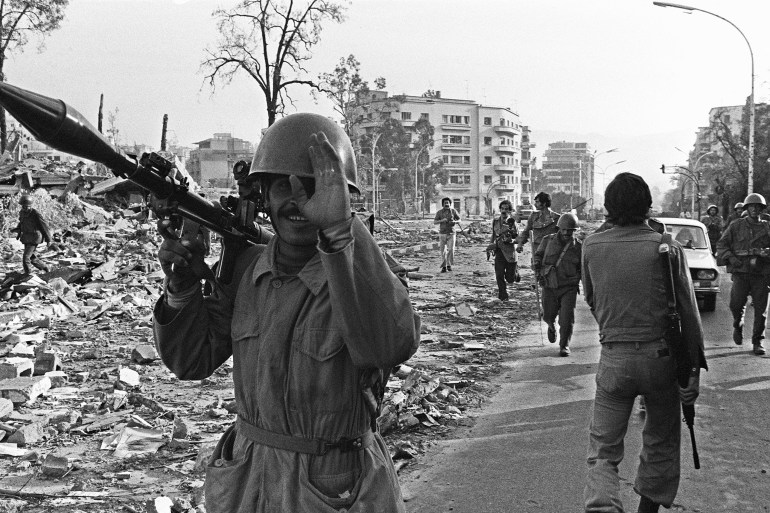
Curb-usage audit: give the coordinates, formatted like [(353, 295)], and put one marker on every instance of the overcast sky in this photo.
[(617, 70)]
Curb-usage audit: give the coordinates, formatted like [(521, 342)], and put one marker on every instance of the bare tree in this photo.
[(346, 89), (21, 20), (270, 41)]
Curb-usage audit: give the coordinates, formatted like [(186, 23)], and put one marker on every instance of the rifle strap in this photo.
[(566, 247), (668, 273)]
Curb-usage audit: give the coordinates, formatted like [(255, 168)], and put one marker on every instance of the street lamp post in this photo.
[(375, 138), (694, 175), (751, 98)]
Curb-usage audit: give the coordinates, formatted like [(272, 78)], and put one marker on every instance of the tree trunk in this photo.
[(3, 129)]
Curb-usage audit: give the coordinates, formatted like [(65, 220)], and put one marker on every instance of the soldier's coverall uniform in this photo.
[(301, 346), (540, 225), (32, 230), (714, 226), (504, 246), (623, 284), (739, 239), (562, 299)]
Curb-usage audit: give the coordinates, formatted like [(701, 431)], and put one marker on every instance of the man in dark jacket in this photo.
[(557, 265), (31, 231), (745, 247), (502, 247), (714, 226), (624, 280)]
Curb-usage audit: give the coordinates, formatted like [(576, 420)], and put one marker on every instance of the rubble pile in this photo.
[(92, 421)]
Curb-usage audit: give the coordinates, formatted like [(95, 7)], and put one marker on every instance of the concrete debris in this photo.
[(55, 466)]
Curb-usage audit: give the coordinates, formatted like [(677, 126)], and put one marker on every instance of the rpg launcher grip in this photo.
[(61, 127)]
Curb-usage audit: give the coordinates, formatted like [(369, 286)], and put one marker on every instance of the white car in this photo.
[(692, 235)]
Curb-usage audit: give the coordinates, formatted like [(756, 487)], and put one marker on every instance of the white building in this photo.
[(479, 145)]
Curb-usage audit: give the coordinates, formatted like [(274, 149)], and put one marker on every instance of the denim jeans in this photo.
[(446, 243), (560, 302), (756, 286), (628, 369)]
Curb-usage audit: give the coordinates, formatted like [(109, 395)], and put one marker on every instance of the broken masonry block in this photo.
[(47, 361), (26, 435), (14, 367), (55, 466), (6, 408), (22, 350), (180, 429), (128, 377), (25, 389), (144, 353), (58, 378)]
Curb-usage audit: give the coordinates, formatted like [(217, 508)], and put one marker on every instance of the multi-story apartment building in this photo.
[(527, 165), (212, 162), (479, 145), (569, 167)]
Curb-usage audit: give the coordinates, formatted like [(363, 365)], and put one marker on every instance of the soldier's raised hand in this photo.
[(330, 203)]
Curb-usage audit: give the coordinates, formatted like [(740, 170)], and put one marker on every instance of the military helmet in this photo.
[(712, 206), (283, 149), (25, 199), (754, 198), (567, 221), (738, 205)]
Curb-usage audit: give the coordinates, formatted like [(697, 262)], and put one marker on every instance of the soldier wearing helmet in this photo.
[(625, 287), (714, 226), (745, 249), (31, 231), (736, 214), (557, 265), (314, 320)]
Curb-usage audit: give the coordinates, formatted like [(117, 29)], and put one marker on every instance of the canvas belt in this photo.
[(316, 446)]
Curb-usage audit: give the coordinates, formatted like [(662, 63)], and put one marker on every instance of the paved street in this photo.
[(526, 452)]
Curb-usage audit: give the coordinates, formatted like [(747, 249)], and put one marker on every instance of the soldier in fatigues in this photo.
[(714, 226), (557, 265), (313, 320), (745, 248), (736, 214), (31, 231)]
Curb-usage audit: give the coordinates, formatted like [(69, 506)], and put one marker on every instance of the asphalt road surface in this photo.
[(526, 451)]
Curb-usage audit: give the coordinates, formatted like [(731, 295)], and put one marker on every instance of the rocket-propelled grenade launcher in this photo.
[(58, 125)]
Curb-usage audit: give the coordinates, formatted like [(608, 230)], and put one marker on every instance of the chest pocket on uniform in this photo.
[(322, 377)]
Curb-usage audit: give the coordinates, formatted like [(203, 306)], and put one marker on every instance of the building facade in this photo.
[(211, 163), (568, 167), (479, 145)]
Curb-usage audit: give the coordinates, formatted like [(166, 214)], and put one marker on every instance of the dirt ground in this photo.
[(466, 333)]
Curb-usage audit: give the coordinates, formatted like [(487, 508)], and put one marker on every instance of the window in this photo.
[(406, 116), (487, 141), (424, 116), (487, 179), (456, 139), (488, 121), (457, 120), (467, 179), (487, 160)]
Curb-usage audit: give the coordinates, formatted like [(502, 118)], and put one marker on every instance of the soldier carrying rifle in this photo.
[(745, 249)]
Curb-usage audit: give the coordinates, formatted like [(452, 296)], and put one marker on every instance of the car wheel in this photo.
[(709, 303)]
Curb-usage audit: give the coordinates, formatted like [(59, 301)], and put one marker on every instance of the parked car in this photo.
[(692, 235)]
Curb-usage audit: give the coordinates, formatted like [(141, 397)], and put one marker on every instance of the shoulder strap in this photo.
[(566, 247), (668, 274)]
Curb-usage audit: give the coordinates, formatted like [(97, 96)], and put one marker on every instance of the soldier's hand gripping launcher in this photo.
[(61, 127)]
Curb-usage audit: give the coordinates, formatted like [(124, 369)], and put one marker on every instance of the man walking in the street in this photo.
[(541, 222), (446, 218), (502, 247), (714, 226), (624, 283), (557, 265), (736, 214), (31, 231), (745, 247)]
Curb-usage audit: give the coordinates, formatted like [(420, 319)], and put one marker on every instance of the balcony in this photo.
[(456, 186), (457, 167), (455, 126), (505, 148), (505, 167), (511, 130), (455, 146)]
